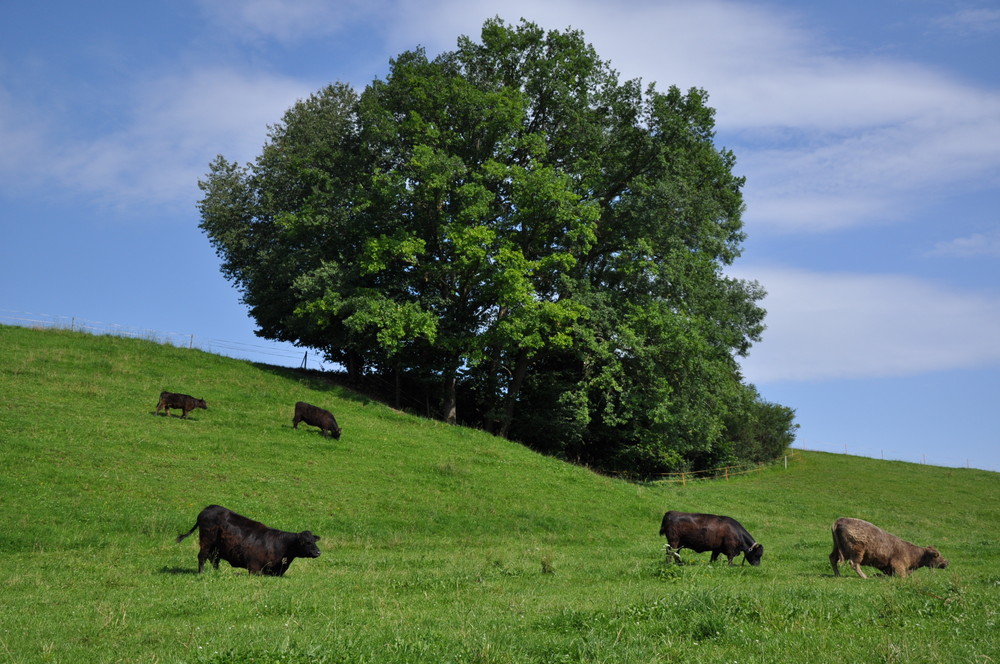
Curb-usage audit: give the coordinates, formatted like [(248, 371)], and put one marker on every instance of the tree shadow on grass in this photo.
[(320, 381)]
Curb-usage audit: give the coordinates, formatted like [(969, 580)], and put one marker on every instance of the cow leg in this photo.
[(184, 414), (835, 560), (202, 557), (715, 556), (856, 564), (212, 555)]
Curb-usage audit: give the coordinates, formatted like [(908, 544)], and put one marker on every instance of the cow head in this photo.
[(307, 545), (932, 558), (200, 403), (754, 553), (335, 431)]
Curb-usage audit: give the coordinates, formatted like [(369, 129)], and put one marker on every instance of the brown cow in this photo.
[(862, 543), (183, 402), (243, 542), (317, 417), (709, 532)]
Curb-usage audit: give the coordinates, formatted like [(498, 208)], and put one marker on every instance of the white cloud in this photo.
[(973, 21), (823, 326), (874, 174), (174, 127), (977, 244), (289, 20), (23, 137)]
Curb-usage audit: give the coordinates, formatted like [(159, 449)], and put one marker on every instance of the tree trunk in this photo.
[(489, 400), (450, 407), (398, 394), (354, 367), (520, 371)]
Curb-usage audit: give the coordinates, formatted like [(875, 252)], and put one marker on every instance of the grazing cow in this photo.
[(243, 542), (862, 543), (317, 417), (184, 402), (709, 532)]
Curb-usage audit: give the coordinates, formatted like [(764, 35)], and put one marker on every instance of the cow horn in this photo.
[(755, 545)]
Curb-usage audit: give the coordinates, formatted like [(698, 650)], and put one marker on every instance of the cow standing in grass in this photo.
[(862, 543), (317, 417), (242, 542), (183, 402), (709, 532)]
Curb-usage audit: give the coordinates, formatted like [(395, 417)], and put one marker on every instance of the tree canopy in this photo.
[(510, 232)]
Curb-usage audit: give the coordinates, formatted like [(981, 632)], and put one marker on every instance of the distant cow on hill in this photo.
[(317, 417), (246, 543), (709, 532), (184, 402), (862, 543)]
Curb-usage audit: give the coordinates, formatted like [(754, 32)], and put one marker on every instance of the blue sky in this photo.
[(868, 131)]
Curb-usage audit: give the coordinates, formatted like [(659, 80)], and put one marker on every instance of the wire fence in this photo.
[(269, 353), (891, 454), (684, 477), (727, 472)]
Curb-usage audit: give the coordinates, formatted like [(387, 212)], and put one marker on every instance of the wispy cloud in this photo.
[(972, 21), (289, 20), (174, 126), (823, 326), (977, 244)]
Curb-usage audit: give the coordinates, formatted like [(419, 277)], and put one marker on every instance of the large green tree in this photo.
[(512, 225)]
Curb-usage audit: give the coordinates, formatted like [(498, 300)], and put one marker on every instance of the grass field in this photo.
[(440, 544)]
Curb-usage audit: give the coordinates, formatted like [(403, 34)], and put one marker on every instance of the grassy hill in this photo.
[(440, 544)]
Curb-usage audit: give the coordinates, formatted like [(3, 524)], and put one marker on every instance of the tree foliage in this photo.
[(511, 230)]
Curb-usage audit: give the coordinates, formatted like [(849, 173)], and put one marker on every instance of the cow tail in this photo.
[(181, 537)]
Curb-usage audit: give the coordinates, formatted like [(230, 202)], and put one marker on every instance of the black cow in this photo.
[(709, 532), (317, 417), (184, 402), (246, 543)]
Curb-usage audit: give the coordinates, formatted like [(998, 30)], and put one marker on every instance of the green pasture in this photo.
[(440, 544)]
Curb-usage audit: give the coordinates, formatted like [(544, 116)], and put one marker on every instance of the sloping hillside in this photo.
[(439, 543)]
